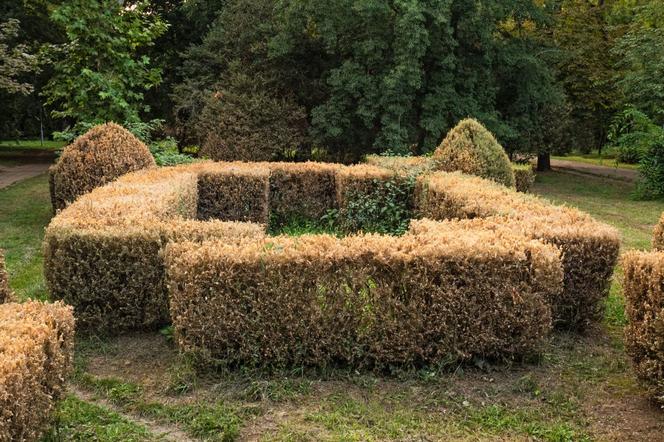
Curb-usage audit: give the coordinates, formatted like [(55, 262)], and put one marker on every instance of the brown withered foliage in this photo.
[(6, 294), (234, 193), (643, 287), (305, 190), (99, 156), (409, 166), (368, 300), (590, 248), (658, 235), (449, 289), (103, 253), (36, 350)]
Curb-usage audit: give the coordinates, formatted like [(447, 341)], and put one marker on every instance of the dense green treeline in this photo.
[(336, 79)]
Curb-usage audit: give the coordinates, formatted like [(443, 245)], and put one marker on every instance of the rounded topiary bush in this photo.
[(470, 148), (99, 156)]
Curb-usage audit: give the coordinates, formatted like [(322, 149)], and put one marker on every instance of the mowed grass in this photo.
[(597, 160), (31, 144), (25, 210), (137, 387)]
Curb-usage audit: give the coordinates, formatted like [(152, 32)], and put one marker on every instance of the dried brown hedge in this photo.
[(6, 294), (524, 177), (658, 235), (36, 349), (99, 156), (411, 166), (590, 249), (643, 287), (302, 190), (372, 301), (103, 254), (234, 192)]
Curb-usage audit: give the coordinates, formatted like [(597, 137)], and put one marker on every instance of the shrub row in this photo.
[(36, 348), (524, 177), (99, 156), (590, 249), (368, 300), (103, 254), (407, 166), (6, 294), (643, 287)]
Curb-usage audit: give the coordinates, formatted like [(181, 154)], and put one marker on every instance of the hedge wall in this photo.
[(36, 348), (590, 249), (365, 300), (643, 287)]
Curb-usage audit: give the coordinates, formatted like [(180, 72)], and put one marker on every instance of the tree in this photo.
[(15, 61), (585, 33), (640, 55), (99, 74)]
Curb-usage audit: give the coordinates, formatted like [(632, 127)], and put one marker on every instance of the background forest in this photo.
[(337, 79)]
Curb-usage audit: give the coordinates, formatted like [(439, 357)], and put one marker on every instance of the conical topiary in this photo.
[(470, 148), (99, 156)]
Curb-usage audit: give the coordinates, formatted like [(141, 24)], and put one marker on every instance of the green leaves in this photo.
[(99, 74)]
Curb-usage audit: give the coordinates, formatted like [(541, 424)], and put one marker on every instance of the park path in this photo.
[(11, 175), (615, 173)]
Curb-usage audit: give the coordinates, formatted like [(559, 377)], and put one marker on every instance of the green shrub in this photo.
[(470, 148), (524, 177), (166, 153), (241, 121), (651, 170)]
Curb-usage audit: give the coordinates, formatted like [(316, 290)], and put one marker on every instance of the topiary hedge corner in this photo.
[(486, 272)]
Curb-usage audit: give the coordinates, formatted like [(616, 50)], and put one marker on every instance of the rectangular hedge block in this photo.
[(302, 190), (590, 248), (643, 286), (234, 192), (36, 349), (370, 301)]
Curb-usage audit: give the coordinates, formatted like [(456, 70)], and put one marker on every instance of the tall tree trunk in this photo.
[(543, 162)]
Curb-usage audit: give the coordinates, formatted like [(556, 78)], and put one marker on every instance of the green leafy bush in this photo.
[(651, 169), (632, 133), (166, 153), (470, 148)]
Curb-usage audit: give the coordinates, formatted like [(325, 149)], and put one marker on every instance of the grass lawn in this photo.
[(31, 144), (137, 388)]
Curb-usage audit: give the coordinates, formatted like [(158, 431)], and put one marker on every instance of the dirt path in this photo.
[(615, 173), (161, 431), (11, 175)]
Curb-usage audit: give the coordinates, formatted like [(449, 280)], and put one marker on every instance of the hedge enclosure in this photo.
[(36, 349), (127, 252), (99, 156)]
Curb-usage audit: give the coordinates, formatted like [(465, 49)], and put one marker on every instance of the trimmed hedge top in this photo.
[(99, 156), (470, 148)]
